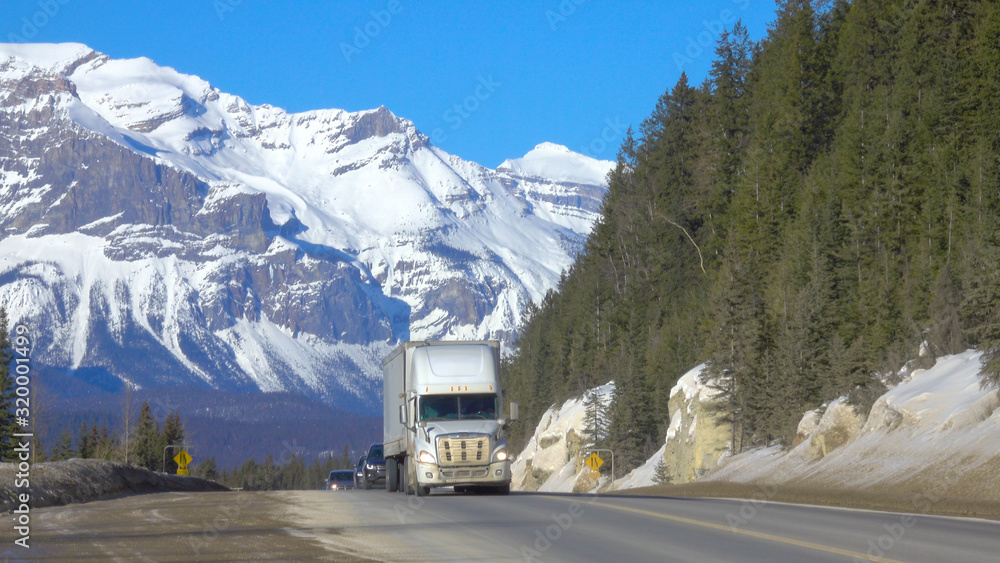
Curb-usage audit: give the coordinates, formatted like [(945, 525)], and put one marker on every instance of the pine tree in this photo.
[(662, 473), (345, 458), (64, 447), (8, 423), (595, 419), (148, 442), (982, 312), (173, 435), (208, 469), (85, 444)]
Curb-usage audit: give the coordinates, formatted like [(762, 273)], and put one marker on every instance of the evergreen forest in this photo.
[(823, 209)]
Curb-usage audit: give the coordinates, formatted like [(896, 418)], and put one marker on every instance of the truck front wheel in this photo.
[(404, 477)]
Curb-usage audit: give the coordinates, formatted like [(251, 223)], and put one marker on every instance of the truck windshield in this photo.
[(458, 407)]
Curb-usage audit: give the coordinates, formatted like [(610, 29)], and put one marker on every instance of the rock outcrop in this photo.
[(553, 460), (696, 439)]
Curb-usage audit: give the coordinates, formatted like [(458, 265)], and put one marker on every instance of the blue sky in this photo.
[(486, 82)]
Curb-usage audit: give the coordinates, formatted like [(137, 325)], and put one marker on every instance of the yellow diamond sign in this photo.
[(182, 458), (594, 461), (182, 471)]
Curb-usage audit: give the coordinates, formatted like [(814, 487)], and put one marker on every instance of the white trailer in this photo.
[(443, 419)]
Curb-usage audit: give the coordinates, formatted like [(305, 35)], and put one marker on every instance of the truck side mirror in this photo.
[(513, 411), (402, 414)]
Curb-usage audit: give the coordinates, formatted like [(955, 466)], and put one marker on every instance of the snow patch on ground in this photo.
[(644, 475), (936, 420)]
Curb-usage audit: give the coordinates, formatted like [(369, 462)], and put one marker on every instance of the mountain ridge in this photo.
[(169, 233)]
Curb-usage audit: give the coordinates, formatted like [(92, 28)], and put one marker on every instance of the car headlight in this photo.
[(369, 466), (334, 486), (501, 455), (425, 457)]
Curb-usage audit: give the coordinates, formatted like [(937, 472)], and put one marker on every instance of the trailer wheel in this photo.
[(391, 475)]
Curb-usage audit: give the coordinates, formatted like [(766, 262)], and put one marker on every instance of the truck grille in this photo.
[(465, 473), (473, 450)]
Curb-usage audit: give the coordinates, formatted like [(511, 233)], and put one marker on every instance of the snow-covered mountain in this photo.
[(156, 230)]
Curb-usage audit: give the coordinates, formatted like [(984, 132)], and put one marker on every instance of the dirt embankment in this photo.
[(83, 480)]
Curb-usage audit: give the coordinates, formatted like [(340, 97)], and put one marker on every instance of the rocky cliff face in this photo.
[(158, 231), (696, 439)]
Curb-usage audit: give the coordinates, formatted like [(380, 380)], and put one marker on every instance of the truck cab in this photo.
[(444, 419)]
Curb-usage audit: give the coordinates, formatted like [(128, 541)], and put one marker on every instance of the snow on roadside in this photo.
[(644, 475), (936, 421)]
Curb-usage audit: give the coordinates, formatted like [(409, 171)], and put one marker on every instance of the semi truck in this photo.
[(443, 419)]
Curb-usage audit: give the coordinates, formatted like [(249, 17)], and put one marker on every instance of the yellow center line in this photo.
[(750, 533)]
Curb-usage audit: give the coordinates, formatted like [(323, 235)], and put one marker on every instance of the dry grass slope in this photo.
[(83, 480)]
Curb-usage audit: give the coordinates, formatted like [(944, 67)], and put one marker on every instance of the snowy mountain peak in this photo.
[(146, 214), (559, 163), (46, 57)]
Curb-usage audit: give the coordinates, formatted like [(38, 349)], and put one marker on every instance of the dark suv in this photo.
[(374, 470), (359, 472)]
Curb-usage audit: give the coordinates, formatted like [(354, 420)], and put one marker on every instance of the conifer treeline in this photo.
[(291, 474), (822, 204), (144, 447)]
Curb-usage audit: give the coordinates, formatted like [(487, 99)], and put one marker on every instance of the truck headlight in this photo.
[(501, 455), (425, 457)]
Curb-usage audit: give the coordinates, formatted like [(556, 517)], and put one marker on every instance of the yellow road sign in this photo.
[(183, 459), (182, 471), (595, 474), (594, 461)]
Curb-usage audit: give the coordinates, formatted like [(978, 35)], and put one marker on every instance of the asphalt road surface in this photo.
[(376, 525)]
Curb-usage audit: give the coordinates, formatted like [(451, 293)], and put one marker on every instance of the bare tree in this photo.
[(37, 415), (127, 422)]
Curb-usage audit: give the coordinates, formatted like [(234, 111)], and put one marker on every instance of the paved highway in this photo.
[(375, 525)]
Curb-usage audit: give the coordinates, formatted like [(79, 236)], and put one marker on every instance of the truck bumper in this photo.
[(495, 474)]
